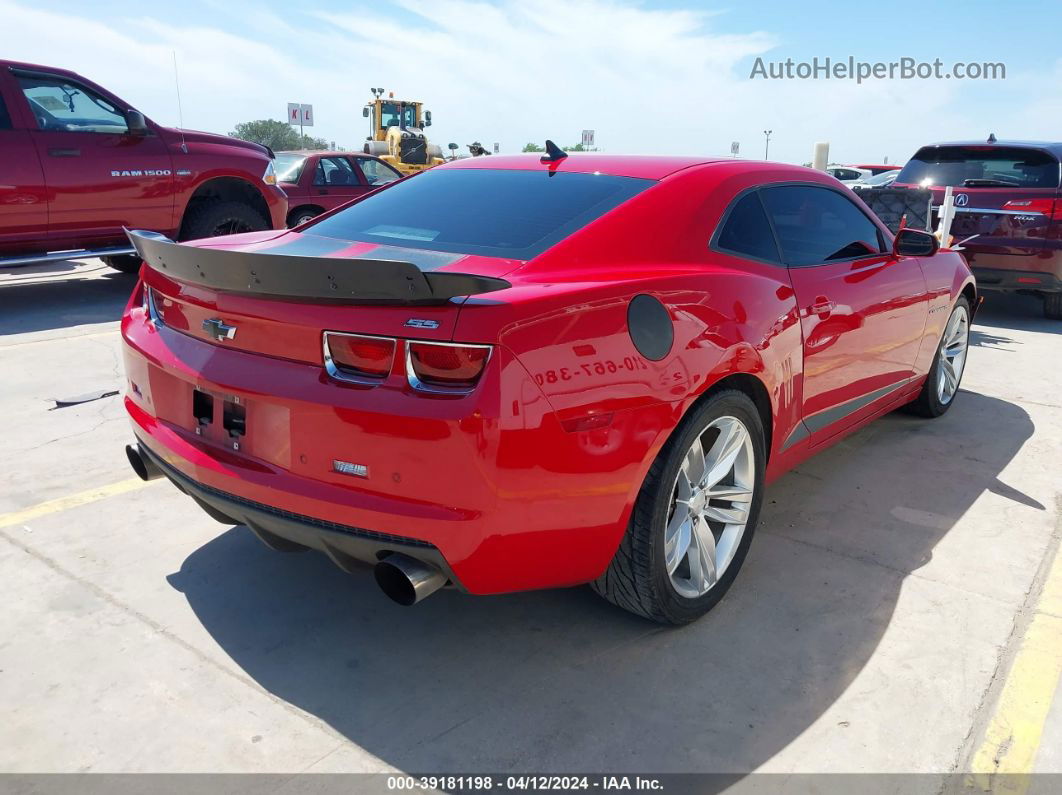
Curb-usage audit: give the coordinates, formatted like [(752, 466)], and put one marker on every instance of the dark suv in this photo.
[(1007, 194)]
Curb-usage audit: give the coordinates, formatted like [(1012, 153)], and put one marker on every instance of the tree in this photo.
[(533, 148), (580, 148), (277, 135)]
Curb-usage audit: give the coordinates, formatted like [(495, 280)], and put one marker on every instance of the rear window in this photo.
[(5, 119), (746, 230), (499, 213), (981, 167)]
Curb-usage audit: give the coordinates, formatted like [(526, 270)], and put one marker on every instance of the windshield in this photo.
[(390, 113), (514, 214), (884, 178), (981, 166), (289, 166)]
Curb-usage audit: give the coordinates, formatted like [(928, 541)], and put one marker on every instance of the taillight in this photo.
[(356, 357), (445, 367)]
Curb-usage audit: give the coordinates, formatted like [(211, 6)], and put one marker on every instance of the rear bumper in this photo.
[(1013, 280), (995, 270), (489, 487), (348, 547)]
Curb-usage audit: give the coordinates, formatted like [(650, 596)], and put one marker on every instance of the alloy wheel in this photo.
[(710, 505), (952, 359)]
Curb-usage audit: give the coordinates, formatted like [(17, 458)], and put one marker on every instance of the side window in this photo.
[(746, 230), (377, 173), (817, 225), (5, 118), (334, 171), (59, 104)]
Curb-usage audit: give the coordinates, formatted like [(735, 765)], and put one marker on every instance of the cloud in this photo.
[(647, 80)]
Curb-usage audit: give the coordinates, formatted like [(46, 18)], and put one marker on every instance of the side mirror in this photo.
[(914, 243), (365, 111), (136, 123), (427, 118)]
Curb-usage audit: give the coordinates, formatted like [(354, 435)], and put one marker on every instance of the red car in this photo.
[(1008, 207), (316, 182), (509, 373), (877, 168), (77, 164)]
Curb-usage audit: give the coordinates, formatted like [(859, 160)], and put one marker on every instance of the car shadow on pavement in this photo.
[(562, 681), (1015, 311), (54, 296)]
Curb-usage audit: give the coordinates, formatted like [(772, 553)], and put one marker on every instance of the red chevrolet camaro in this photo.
[(510, 373)]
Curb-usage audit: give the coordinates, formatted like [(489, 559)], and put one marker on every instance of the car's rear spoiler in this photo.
[(326, 279)]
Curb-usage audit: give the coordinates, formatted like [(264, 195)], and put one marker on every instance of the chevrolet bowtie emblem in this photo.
[(218, 330)]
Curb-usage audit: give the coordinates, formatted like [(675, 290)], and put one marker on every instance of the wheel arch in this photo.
[(969, 292), (755, 389), (234, 189)]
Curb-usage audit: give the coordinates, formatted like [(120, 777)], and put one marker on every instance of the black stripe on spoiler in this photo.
[(327, 279)]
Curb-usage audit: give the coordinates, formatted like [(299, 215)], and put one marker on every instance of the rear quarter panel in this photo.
[(566, 318)]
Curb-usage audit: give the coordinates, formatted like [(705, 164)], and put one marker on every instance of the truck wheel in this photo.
[(694, 518), (301, 216), (214, 218), (126, 263), (1053, 306)]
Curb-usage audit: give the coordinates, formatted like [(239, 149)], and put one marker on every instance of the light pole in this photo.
[(767, 142)]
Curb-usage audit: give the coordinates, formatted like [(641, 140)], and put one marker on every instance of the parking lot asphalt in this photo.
[(896, 614)]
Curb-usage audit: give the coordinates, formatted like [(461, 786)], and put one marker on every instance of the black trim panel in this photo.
[(347, 546), (825, 418)]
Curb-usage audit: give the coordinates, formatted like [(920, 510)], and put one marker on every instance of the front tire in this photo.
[(302, 216), (949, 363), (214, 218), (694, 517)]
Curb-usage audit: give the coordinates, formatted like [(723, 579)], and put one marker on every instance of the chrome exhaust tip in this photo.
[(143, 466), (407, 580)]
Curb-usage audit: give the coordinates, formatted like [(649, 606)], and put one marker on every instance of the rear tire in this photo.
[(1053, 306), (934, 400), (301, 216), (213, 218), (126, 263), (649, 574)]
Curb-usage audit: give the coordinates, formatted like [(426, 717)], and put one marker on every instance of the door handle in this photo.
[(65, 152), (822, 307)]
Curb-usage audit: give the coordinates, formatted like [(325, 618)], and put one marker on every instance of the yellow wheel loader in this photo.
[(397, 133)]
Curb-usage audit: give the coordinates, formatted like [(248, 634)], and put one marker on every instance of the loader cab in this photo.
[(383, 114)]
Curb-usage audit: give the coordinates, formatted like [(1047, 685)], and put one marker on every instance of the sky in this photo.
[(648, 77)]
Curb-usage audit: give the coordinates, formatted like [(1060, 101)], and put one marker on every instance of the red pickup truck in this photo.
[(77, 164)]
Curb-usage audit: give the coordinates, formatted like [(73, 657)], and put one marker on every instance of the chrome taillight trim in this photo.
[(420, 386), (333, 370)]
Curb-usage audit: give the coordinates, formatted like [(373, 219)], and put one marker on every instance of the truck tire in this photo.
[(126, 263), (643, 577), (213, 218), (1053, 306)]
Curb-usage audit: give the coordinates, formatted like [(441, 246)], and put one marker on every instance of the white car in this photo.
[(882, 180), (849, 174)]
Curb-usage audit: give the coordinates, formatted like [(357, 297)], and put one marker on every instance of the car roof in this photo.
[(643, 166), (36, 67), (1054, 147), (324, 153)]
